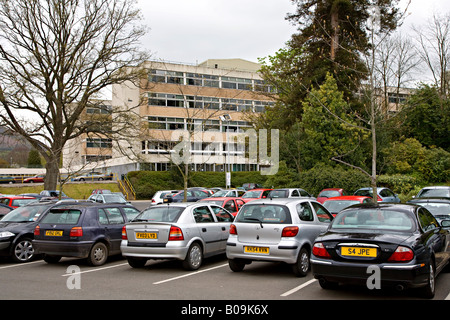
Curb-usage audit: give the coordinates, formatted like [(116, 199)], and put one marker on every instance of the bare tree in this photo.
[(55, 57)]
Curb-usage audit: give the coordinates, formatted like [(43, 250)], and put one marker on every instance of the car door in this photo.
[(208, 229), (224, 219), (112, 220)]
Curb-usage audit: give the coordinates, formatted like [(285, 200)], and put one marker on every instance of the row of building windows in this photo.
[(218, 148), (172, 123), (199, 167), (206, 80), (200, 102)]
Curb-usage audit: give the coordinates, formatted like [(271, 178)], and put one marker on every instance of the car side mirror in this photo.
[(445, 223)]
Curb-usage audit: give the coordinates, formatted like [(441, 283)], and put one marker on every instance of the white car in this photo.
[(277, 230), (289, 193), (159, 195)]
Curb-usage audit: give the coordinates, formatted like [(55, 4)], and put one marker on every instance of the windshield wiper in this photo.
[(256, 219)]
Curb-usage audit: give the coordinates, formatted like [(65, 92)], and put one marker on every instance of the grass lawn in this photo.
[(79, 191)]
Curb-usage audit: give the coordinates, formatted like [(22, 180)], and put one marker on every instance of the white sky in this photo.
[(192, 31)]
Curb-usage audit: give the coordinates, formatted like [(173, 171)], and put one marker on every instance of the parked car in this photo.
[(184, 231), (232, 205), (228, 193), (383, 194), (251, 186), (330, 193), (96, 191), (278, 230), (159, 195), (439, 207), (53, 194), (85, 230), (7, 179), (434, 191), (93, 176), (192, 196), (16, 230), (337, 204), (289, 193), (107, 198), (4, 210), (404, 241), (16, 201), (35, 179), (255, 194)]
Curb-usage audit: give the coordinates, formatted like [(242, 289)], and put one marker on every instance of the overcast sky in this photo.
[(196, 30)]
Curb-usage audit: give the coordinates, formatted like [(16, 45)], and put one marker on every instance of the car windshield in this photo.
[(436, 208), (373, 219), (160, 214), (279, 194), (221, 193), (434, 193), (114, 198), (24, 214), (329, 193), (63, 216), (217, 202), (22, 202), (338, 205), (364, 193), (252, 194), (264, 213)]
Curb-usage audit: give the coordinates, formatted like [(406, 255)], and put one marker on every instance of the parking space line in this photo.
[(448, 297), (190, 274), (19, 265), (94, 270), (298, 288)]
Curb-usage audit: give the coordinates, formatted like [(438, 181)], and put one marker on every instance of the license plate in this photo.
[(359, 252), (146, 235), (54, 233), (261, 250)]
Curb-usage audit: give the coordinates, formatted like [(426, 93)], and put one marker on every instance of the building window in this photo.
[(166, 123), (236, 83), (98, 143), (164, 76)]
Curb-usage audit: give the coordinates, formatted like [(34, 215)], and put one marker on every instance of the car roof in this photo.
[(348, 198), (430, 199), (278, 200), (17, 197), (380, 205), (219, 198), (436, 187)]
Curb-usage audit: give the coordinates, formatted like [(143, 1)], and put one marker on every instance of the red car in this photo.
[(336, 204), (255, 194), (36, 178), (16, 201), (231, 204), (330, 193)]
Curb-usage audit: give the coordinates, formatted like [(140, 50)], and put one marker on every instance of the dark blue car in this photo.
[(88, 230)]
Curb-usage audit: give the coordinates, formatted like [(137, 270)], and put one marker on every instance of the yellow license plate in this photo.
[(146, 235), (54, 233), (359, 252), (261, 250)]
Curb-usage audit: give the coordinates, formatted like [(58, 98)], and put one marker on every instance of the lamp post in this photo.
[(225, 118)]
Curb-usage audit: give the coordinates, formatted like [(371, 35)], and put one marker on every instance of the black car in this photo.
[(86, 230), (439, 207), (405, 242), (193, 195), (16, 230), (4, 210)]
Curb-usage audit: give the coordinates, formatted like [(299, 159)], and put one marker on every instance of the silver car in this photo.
[(276, 230), (184, 231)]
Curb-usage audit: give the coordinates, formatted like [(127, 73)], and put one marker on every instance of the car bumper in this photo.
[(410, 275), (5, 248), (172, 250), (78, 249), (284, 251)]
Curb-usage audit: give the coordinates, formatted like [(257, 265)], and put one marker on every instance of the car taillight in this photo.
[(124, 233), (233, 229), (76, 232), (289, 232), (402, 254), (379, 198), (175, 234), (37, 231), (320, 251)]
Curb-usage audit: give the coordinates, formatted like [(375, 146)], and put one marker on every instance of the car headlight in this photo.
[(6, 234)]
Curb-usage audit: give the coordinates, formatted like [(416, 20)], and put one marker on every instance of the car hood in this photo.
[(366, 236), (11, 226)]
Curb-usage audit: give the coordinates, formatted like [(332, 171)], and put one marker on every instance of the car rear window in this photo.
[(374, 219), (265, 213), (68, 216), (160, 214)]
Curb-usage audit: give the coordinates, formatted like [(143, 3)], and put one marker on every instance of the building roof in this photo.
[(233, 64)]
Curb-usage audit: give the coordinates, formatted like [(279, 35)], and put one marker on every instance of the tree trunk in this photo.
[(335, 33), (52, 172)]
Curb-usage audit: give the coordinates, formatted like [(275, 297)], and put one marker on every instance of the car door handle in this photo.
[(204, 229), (223, 228)]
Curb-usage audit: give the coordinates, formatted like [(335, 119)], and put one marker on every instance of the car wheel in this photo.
[(194, 257), (236, 265), (23, 250), (98, 254), (429, 290), (136, 262), (301, 267), (51, 259)]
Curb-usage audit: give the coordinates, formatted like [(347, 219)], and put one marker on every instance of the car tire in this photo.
[(136, 262), (23, 250), (98, 254), (51, 259), (194, 257), (428, 291), (236, 265), (301, 267)]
